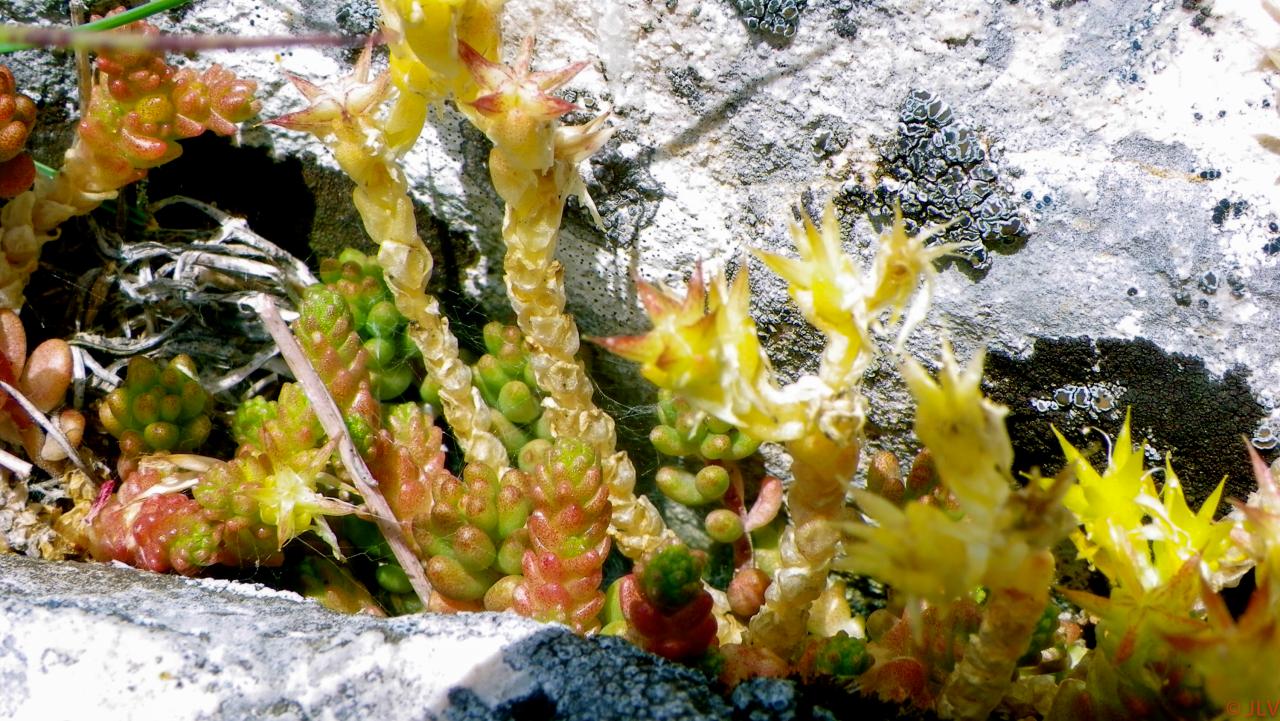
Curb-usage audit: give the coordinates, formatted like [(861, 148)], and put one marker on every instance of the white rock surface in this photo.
[(1113, 110), (92, 641), (168, 648)]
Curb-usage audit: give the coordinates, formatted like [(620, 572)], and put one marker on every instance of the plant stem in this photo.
[(21, 37), (107, 23)]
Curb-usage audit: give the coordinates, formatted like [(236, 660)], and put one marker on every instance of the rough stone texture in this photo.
[(1145, 272), (94, 641), (1121, 135)]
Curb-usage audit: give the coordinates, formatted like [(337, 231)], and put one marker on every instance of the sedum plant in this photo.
[(139, 109), (17, 117), (969, 624), (157, 409), (663, 606), (568, 539)]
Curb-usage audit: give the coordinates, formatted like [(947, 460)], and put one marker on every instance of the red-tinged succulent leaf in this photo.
[(680, 633), (743, 662), (492, 104), (13, 346), (899, 680), (17, 116), (47, 375), (766, 506), (13, 138), (8, 84), (487, 73), (17, 174), (553, 79)]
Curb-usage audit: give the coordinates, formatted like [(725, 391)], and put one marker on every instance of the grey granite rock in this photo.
[(1095, 145), (94, 641), (1120, 136), (1145, 272)]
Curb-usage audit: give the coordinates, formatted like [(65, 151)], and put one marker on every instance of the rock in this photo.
[(1104, 152), (79, 640)]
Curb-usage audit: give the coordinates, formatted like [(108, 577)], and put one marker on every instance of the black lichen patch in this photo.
[(773, 699), (939, 170), (1203, 11), (1227, 208), (599, 679), (604, 678), (1177, 407), (466, 705), (845, 22), (777, 18)]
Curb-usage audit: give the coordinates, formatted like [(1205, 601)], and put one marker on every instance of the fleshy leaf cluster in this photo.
[(158, 408), (394, 360), (477, 535), (569, 540), (666, 609), (17, 117), (142, 105)]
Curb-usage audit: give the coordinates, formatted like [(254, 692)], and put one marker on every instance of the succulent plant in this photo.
[(504, 377), (17, 116), (568, 537), (667, 610), (394, 360), (477, 532), (158, 408)]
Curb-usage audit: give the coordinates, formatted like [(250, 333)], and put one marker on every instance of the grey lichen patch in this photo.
[(358, 17), (829, 135), (940, 170), (1177, 407), (686, 84), (625, 193)]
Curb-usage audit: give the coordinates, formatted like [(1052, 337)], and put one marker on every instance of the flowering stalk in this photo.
[(1163, 559), (533, 165), (705, 348), (1234, 656), (344, 117)]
